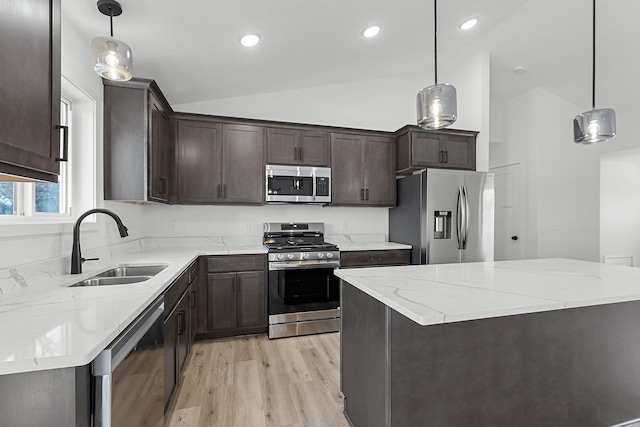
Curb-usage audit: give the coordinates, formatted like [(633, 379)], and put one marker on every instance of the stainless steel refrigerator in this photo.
[(446, 215)]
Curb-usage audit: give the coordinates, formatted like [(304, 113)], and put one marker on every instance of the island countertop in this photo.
[(446, 293)]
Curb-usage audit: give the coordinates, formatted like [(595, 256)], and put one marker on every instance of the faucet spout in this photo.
[(76, 254)]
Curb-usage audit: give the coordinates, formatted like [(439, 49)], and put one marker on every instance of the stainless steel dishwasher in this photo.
[(128, 375)]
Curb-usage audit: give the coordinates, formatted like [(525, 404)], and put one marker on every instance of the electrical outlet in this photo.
[(247, 226), (172, 226), (343, 225), (556, 225)]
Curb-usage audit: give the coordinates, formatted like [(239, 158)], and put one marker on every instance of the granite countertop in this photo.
[(445, 293), (45, 324)]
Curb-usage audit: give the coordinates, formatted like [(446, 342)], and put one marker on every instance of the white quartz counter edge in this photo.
[(59, 326), (370, 246), (437, 294)]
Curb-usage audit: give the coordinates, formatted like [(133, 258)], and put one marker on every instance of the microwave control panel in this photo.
[(322, 186)]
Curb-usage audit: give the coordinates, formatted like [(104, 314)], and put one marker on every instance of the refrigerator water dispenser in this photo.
[(442, 225)]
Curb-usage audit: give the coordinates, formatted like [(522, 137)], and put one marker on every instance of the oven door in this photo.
[(303, 300)]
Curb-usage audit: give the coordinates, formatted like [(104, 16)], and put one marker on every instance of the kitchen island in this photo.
[(552, 342)]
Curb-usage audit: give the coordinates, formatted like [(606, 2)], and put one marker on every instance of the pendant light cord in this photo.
[(435, 37), (111, 19), (593, 83)]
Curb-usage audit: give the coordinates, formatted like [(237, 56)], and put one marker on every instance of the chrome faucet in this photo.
[(76, 255)]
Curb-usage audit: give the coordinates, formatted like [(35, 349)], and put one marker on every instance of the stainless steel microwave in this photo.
[(298, 184)]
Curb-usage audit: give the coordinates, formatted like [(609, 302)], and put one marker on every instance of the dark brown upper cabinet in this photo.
[(362, 170), (220, 163), (138, 142), (30, 89), (297, 147), (446, 148)]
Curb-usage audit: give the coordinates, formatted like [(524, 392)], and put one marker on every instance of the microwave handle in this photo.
[(314, 192)]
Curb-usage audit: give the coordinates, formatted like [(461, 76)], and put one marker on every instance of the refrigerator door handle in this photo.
[(466, 218), (459, 218)]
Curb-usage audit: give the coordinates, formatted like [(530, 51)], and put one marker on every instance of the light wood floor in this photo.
[(254, 382)]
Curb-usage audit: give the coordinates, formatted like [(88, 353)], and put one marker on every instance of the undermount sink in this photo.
[(106, 281), (133, 270), (123, 275)]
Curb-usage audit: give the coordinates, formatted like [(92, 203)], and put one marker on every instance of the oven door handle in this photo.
[(300, 265)]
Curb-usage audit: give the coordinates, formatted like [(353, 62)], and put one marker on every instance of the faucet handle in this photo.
[(89, 259)]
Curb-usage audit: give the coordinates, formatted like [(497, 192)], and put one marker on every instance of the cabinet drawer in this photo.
[(375, 258), (174, 292), (225, 263)]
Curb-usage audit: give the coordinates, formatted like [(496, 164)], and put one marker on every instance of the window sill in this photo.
[(42, 226)]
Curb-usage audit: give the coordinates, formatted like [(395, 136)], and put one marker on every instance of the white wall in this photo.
[(561, 184), (620, 205)]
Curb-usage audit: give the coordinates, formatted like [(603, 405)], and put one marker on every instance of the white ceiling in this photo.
[(191, 48)]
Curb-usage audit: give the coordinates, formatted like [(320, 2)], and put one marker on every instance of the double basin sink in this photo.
[(123, 275)]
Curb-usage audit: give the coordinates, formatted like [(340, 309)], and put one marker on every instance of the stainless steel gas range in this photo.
[(304, 294)]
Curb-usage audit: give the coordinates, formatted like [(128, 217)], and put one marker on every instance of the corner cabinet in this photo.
[(362, 170), (220, 163), (30, 89), (445, 149), (233, 299), (297, 147), (138, 145)]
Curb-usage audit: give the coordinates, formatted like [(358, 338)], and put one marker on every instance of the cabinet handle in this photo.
[(362, 194), (300, 153), (224, 191), (193, 299), (218, 192), (440, 156), (366, 194), (181, 322), (295, 153), (65, 143), (446, 157), (163, 186)]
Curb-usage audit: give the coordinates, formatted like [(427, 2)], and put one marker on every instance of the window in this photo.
[(42, 198)]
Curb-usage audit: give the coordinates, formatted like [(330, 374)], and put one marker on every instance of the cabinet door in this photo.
[(221, 301), (30, 88), (282, 146), (193, 310), (379, 171), (243, 164), (158, 159), (460, 152), (347, 186), (426, 150), (199, 167), (252, 303), (170, 361), (183, 332), (313, 149)]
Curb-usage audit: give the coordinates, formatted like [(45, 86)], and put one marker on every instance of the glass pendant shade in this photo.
[(112, 58), (594, 126), (437, 106)]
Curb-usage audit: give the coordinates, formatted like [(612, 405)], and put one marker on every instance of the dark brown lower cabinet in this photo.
[(233, 299), (179, 298)]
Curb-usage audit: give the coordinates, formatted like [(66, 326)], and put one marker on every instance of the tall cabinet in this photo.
[(30, 89), (138, 145)]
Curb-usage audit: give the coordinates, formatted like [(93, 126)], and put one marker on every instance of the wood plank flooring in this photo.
[(255, 382)]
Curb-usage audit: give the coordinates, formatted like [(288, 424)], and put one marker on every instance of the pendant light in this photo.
[(595, 125), (112, 58), (436, 104)]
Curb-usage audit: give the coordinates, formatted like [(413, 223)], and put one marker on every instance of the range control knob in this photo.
[(305, 256), (290, 256), (320, 255), (280, 257), (329, 255)]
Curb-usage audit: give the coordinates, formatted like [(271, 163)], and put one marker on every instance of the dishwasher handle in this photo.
[(109, 358)]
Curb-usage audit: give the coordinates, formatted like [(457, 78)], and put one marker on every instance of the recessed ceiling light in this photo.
[(250, 40), (371, 31), (519, 69), (468, 24)]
